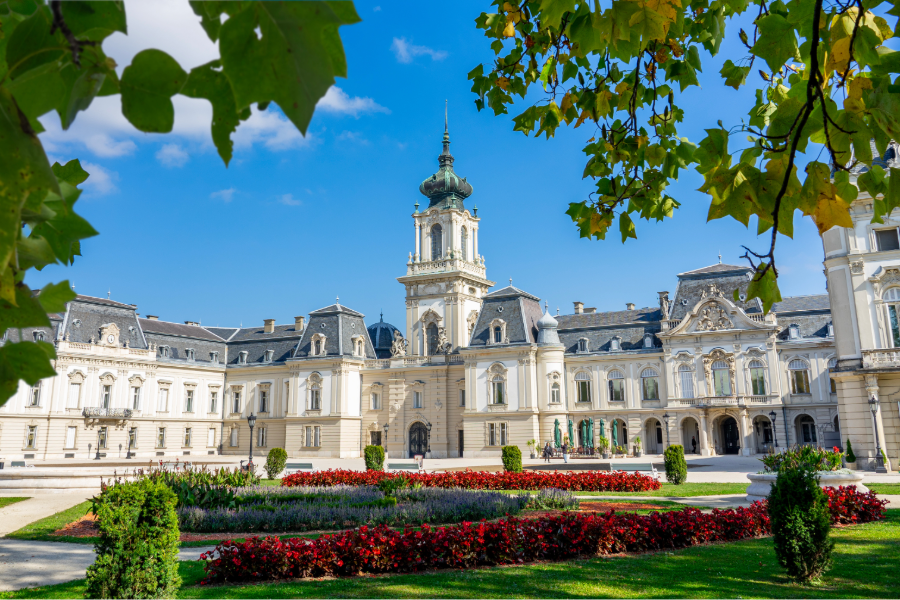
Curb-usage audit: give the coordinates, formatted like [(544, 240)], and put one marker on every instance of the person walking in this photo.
[(693, 445), (548, 452), (565, 449)]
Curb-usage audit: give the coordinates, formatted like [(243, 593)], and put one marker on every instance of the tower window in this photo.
[(437, 242), (464, 242)]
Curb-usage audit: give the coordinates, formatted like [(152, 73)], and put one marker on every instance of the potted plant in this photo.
[(850, 457), (603, 445), (637, 446), (532, 444)]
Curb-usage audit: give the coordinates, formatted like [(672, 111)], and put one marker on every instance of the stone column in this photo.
[(418, 242), (746, 434), (704, 436), (878, 422)]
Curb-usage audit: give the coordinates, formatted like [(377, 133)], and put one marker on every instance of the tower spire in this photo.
[(446, 152)]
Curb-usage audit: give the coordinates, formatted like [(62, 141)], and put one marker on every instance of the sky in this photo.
[(295, 222)]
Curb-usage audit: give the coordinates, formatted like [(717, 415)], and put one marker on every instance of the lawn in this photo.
[(865, 563), (41, 530), (884, 488), (8, 501)]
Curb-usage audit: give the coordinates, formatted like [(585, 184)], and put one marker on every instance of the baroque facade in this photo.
[(474, 370)]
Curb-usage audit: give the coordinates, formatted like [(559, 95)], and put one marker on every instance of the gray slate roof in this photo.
[(339, 324), (86, 314), (178, 329), (802, 303), (520, 310)]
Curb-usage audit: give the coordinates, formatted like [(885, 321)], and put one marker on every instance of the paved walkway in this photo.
[(29, 564), (39, 506)]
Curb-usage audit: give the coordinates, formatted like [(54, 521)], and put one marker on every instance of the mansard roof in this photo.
[(334, 309), (605, 319), (511, 290), (520, 311), (223, 332), (802, 303), (339, 325), (178, 329), (714, 270), (85, 315)]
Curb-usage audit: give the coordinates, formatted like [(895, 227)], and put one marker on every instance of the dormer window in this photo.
[(794, 332), (583, 345), (214, 357), (164, 351), (648, 340), (615, 344), (189, 353), (831, 330), (267, 356), (498, 334), (242, 357), (317, 347), (39, 336)]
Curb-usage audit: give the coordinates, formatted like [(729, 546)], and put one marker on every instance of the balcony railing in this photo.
[(884, 358), (722, 401), (106, 413), (445, 264)]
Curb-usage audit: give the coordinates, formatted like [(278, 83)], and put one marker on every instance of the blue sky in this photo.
[(294, 222)]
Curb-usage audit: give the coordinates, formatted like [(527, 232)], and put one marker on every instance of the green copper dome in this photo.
[(445, 189)]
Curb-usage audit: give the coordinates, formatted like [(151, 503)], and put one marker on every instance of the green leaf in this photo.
[(26, 312), (54, 296), (764, 287), (734, 75), (552, 11), (206, 82), (293, 62), (777, 41), (148, 85), (31, 44), (29, 361), (95, 19), (626, 227)]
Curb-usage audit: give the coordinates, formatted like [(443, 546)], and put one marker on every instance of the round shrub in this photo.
[(374, 456), (137, 550), (512, 459), (275, 462), (676, 467), (801, 522)]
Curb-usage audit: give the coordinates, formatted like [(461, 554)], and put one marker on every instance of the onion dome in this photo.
[(382, 336), (547, 328), (445, 189)]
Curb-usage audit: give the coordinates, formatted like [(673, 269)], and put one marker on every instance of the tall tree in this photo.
[(824, 80), (51, 60)]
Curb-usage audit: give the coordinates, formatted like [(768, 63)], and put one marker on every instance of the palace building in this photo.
[(472, 370)]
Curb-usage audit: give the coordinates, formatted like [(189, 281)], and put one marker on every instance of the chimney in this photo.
[(629, 306), (269, 325), (298, 323), (579, 307), (194, 323), (152, 318), (590, 311)]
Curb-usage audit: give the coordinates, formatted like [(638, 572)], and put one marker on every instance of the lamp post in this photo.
[(251, 421), (428, 438), (666, 418), (386, 427), (772, 416), (879, 457)]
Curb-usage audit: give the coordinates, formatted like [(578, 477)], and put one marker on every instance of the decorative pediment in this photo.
[(715, 313), (884, 278), (713, 317), (109, 334), (430, 316)]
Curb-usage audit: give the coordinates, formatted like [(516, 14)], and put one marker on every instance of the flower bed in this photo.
[(506, 541), (590, 481), (307, 509)]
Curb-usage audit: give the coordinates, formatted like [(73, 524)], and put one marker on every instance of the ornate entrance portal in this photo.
[(731, 436), (418, 439)]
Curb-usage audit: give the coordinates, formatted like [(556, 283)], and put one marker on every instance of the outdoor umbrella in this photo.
[(557, 436), (571, 432), (602, 432), (615, 438), (584, 432), (590, 437)]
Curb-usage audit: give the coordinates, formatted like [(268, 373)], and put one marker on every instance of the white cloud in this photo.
[(289, 200), (352, 136), (100, 181), (406, 52), (376, 9), (172, 155), (272, 129), (224, 195), (337, 100), (103, 145)]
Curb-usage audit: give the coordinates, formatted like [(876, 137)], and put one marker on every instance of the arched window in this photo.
[(437, 243), (686, 379), (891, 298), (498, 390), (431, 334), (583, 387), (464, 243), (798, 373), (721, 378), (806, 429), (555, 397), (616, 386), (498, 334), (757, 378), (832, 363), (650, 384), (315, 397), (317, 350)]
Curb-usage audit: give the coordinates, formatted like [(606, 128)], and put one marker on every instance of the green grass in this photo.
[(272, 482), (41, 530), (8, 501), (865, 563), (884, 488)]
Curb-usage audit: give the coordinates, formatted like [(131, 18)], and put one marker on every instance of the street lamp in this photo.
[(879, 457), (428, 438), (251, 421), (666, 418), (772, 415), (386, 427)]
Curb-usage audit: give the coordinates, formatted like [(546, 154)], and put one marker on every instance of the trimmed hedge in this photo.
[(374, 456), (137, 551), (851, 457), (676, 467), (275, 462), (512, 459), (589, 481)]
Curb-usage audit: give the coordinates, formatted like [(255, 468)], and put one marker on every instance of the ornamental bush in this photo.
[(801, 522), (589, 481), (137, 550), (848, 506), (512, 459), (275, 462), (807, 457), (851, 458), (676, 467), (374, 456)]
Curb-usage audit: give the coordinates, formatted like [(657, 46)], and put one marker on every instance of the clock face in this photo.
[(110, 338)]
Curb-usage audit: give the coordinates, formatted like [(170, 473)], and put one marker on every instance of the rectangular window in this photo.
[(211, 437), (233, 438), (758, 381), (376, 402), (189, 401), (800, 381), (74, 395), (102, 437), (687, 384), (35, 399), (213, 402), (498, 393), (261, 437), (887, 239), (31, 437), (650, 388), (136, 398), (106, 396), (187, 437), (492, 434), (263, 401), (315, 401), (584, 391), (722, 382), (417, 399), (309, 437), (375, 438), (236, 402), (616, 390), (163, 401), (462, 398), (161, 437), (502, 434), (895, 325), (317, 431), (70, 437)]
